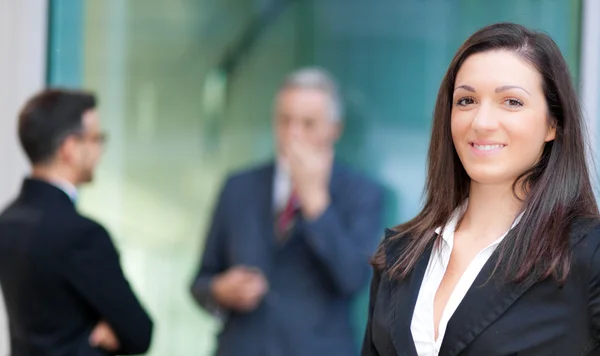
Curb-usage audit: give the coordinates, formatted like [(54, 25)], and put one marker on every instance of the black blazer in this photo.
[(495, 318), (60, 275)]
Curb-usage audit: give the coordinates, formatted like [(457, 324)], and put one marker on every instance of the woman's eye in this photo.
[(465, 101), (514, 102)]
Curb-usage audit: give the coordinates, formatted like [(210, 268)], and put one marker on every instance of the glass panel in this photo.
[(186, 90)]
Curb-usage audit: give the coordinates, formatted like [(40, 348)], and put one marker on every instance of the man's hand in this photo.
[(240, 288), (104, 337), (310, 169)]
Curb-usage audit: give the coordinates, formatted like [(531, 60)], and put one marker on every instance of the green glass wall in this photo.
[(186, 90)]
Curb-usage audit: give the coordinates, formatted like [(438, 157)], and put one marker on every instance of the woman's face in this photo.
[(499, 117)]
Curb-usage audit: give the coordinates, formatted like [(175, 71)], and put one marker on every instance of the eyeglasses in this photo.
[(96, 137)]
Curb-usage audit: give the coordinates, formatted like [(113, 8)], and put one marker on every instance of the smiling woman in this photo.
[(510, 223)]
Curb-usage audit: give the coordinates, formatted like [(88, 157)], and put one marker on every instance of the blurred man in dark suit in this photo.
[(64, 289), (290, 241)]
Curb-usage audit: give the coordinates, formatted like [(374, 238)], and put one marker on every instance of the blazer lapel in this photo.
[(259, 235), (487, 299), (404, 297), (264, 199)]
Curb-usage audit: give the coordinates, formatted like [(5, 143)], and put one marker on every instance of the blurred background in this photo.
[(186, 89)]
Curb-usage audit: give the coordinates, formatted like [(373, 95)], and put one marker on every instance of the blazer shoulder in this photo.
[(585, 243), (585, 232), (393, 244), (390, 233), (88, 223), (89, 238), (356, 177), (245, 176), (81, 228)]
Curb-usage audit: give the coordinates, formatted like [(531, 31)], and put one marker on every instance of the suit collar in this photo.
[(67, 187), (40, 190)]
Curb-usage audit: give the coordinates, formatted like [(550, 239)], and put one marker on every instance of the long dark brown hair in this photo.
[(558, 186)]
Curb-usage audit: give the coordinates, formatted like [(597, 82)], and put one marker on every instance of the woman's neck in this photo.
[(491, 211)]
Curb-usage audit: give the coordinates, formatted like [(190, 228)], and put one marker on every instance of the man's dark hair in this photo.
[(48, 118)]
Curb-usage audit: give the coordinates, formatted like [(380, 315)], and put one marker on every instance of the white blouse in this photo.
[(422, 325)]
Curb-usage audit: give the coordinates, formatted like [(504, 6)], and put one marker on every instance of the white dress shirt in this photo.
[(422, 325), (282, 186)]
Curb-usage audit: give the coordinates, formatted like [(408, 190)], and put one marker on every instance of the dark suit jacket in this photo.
[(312, 278), (60, 275), (496, 318)]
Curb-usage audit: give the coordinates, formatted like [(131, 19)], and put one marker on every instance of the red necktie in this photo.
[(286, 217)]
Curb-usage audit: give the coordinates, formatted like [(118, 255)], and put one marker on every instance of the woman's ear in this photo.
[(551, 134)]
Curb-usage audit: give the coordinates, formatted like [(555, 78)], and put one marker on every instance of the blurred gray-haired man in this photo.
[(290, 240)]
